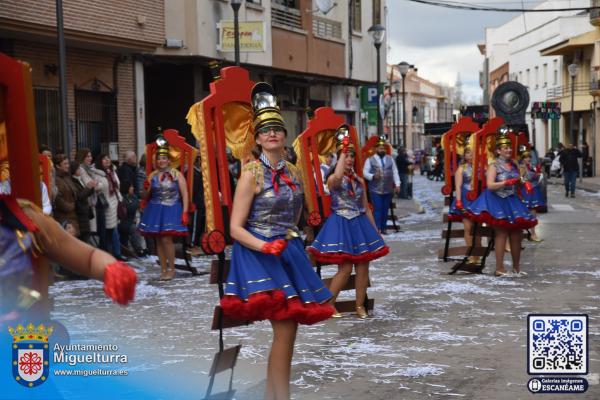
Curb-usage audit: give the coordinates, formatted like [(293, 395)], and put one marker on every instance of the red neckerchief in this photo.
[(351, 179), (166, 175), (278, 173)]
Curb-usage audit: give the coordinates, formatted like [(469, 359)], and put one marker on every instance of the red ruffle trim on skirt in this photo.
[(339, 258), (163, 233), (455, 217), (273, 305), (486, 218)]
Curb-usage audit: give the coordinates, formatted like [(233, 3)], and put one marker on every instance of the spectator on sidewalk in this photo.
[(64, 203), (403, 164), (128, 232), (128, 174), (568, 160), (83, 209)]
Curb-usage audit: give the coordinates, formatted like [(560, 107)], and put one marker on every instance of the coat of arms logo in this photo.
[(30, 354)]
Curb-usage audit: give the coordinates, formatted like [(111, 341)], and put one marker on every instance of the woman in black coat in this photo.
[(82, 204)]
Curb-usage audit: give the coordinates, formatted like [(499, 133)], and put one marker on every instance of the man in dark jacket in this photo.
[(128, 173), (568, 159), (403, 163)]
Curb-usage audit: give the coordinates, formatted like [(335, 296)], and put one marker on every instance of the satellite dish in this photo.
[(324, 6)]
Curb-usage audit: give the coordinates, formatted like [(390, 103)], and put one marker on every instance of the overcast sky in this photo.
[(442, 42)]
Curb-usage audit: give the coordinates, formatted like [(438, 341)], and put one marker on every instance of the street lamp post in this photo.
[(403, 67), (573, 70), (236, 4), (396, 111), (377, 32)]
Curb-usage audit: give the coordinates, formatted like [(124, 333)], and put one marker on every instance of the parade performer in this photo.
[(533, 199), (270, 276), (26, 233), (166, 211), (349, 237), (463, 178), (381, 172), (499, 207)]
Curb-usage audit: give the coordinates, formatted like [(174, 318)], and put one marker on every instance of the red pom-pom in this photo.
[(119, 282)]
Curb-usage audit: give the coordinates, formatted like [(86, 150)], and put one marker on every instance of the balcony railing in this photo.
[(327, 28), (285, 17), (561, 91)]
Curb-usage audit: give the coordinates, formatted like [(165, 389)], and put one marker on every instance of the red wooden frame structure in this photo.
[(46, 172), (450, 142), (17, 112), (484, 140), (322, 127), (234, 86)]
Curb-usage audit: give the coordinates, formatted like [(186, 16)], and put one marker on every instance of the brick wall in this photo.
[(90, 18), (82, 67)]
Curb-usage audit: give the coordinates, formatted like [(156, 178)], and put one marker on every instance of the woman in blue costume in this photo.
[(462, 182), (349, 237), (499, 207), (271, 276), (166, 212), (532, 198)]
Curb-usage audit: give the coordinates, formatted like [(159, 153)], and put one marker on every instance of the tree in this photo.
[(458, 100)]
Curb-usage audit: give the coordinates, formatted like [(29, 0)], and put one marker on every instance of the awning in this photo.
[(437, 128), (575, 43)]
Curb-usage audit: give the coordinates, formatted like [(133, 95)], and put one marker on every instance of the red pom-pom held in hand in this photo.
[(184, 218), (119, 282), (459, 204), (275, 247), (345, 144), (528, 187), (512, 181)]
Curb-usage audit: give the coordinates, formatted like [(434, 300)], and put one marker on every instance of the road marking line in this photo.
[(563, 207)]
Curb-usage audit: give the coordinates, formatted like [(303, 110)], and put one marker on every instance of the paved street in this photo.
[(431, 335)]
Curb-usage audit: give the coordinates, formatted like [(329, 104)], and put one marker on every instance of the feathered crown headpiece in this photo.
[(265, 108)]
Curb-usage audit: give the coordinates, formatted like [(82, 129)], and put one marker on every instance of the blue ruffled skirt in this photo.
[(501, 212), (264, 286), (348, 240), (533, 200), (454, 214), (162, 220)]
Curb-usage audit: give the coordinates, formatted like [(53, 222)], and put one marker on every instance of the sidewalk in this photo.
[(588, 184)]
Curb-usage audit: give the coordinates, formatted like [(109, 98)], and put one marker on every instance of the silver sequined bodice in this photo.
[(385, 184), (165, 192), (13, 258), (345, 205), (272, 214), (531, 175), (467, 176), (504, 172)]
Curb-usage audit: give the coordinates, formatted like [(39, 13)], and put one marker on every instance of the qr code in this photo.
[(557, 344)]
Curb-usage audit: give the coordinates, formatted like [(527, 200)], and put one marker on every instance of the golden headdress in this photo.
[(524, 152), (163, 146), (265, 108), (503, 139), (381, 141), (340, 134)]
